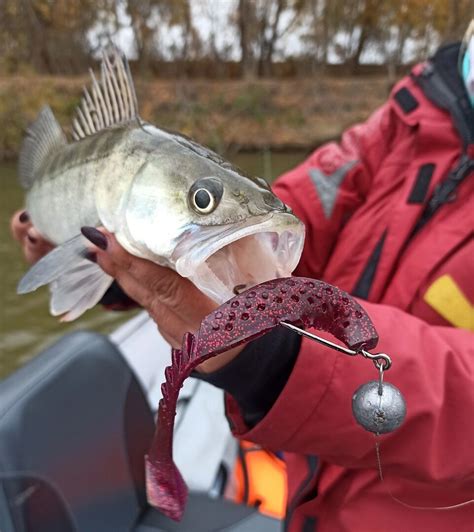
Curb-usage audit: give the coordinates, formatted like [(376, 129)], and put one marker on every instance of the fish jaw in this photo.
[(223, 260), (249, 238)]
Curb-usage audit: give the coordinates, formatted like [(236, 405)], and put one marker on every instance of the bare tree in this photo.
[(51, 36), (260, 28), (246, 23)]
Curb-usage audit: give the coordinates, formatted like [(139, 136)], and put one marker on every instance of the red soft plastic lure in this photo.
[(296, 300)]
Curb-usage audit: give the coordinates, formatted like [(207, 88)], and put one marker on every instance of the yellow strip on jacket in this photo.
[(447, 299)]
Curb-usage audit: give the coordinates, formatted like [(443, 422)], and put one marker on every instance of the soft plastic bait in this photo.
[(299, 301)]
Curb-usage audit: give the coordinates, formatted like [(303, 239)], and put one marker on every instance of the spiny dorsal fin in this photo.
[(43, 137), (108, 102)]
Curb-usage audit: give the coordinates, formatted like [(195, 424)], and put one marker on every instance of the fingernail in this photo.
[(239, 288), (96, 237), (90, 255), (32, 239), (24, 217)]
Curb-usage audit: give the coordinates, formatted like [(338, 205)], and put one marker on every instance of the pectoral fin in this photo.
[(58, 261), (76, 284), (78, 290)]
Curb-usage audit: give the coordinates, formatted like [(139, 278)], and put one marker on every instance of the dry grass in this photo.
[(226, 115)]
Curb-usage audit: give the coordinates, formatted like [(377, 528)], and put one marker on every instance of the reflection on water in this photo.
[(25, 324)]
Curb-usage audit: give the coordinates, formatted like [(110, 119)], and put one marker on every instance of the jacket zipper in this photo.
[(444, 191)]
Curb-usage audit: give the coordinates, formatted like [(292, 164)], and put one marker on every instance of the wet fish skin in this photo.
[(95, 180), (165, 197)]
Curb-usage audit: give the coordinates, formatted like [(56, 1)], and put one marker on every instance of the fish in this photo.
[(165, 197)]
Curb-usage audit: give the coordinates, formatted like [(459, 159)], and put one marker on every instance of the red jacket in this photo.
[(360, 201)]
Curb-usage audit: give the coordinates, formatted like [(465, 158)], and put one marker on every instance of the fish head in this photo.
[(210, 222)]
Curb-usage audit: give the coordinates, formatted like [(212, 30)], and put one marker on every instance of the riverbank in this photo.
[(229, 115)]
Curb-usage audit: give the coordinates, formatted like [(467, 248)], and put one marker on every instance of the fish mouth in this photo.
[(224, 260)]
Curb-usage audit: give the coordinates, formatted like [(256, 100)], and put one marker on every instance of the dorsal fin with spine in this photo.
[(43, 138), (108, 102)]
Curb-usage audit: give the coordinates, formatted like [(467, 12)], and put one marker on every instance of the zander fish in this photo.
[(166, 198)]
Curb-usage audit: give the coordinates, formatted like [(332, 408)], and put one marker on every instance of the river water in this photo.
[(25, 324)]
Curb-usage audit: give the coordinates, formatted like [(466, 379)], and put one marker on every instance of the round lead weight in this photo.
[(378, 413)]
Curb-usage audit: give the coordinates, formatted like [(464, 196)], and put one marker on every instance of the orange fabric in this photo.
[(267, 486)]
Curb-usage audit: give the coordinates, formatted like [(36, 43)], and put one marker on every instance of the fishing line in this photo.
[(382, 362), (399, 501)]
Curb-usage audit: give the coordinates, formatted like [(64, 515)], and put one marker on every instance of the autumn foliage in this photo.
[(226, 38)]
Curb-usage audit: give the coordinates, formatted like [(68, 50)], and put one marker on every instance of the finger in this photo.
[(120, 264), (165, 315), (133, 288), (33, 244), (19, 225), (148, 283), (172, 289), (34, 236), (139, 278), (141, 269), (35, 251), (171, 325), (172, 341)]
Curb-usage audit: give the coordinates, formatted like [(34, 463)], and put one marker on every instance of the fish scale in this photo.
[(140, 182)]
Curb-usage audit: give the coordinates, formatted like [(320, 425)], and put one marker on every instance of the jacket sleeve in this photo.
[(432, 366), (257, 377), (328, 187)]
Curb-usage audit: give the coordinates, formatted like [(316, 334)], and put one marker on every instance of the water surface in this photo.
[(25, 324)]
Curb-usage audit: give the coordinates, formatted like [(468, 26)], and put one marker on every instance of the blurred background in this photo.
[(263, 82)]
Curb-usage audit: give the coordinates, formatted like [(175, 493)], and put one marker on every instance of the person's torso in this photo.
[(427, 274), (376, 259)]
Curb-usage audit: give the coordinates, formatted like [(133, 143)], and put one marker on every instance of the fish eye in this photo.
[(203, 201), (205, 194)]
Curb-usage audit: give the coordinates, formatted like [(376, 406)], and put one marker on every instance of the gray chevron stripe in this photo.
[(328, 185)]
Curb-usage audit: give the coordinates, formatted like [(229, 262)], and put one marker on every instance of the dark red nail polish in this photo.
[(32, 239), (90, 255), (24, 217), (94, 236)]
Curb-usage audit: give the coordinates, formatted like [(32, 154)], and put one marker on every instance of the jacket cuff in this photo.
[(256, 377)]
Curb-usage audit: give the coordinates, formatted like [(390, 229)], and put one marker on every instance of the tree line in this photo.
[(237, 38)]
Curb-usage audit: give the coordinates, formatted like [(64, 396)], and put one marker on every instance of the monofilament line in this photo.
[(412, 507)]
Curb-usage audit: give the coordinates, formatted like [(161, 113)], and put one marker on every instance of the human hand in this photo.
[(34, 245), (173, 302)]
